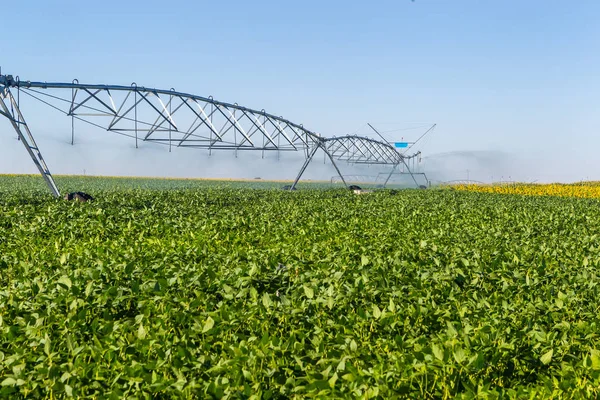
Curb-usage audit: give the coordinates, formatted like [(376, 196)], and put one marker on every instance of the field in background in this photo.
[(11, 183), (93, 183), (185, 288)]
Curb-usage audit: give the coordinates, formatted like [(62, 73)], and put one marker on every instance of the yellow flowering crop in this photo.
[(581, 189)]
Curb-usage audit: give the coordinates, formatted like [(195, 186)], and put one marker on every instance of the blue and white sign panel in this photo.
[(401, 145)]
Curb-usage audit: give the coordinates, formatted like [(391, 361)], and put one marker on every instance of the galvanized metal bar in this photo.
[(27, 139), (81, 103), (390, 175), (166, 118), (120, 116), (260, 127), (205, 119), (156, 125), (335, 166), (351, 148), (253, 129), (281, 130), (306, 162), (234, 123), (58, 85), (410, 172), (94, 95)]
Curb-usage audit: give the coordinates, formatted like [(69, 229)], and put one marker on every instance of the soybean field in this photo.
[(198, 289)]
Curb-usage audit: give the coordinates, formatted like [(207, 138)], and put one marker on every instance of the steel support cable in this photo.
[(406, 129), (81, 119), (361, 150), (421, 137), (82, 106), (57, 85), (60, 99), (219, 104), (125, 118), (373, 151), (117, 131)]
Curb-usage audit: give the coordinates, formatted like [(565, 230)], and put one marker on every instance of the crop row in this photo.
[(237, 293)]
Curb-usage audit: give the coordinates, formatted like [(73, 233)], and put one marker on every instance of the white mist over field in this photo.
[(97, 152), (104, 153), (498, 166)]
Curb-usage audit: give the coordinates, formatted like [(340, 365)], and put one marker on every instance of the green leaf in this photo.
[(208, 325), (459, 355), (546, 358), (376, 311), (364, 260), (559, 303), (353, 345), (451, 330), (333, 380), (47, 344), (392, 306), (437, 352), (477, 361), (65, 281), (88, 288), (330, 302), (309, 292), (9, 382), (141, 332), (65, 376), (595, 357), (266, 300)]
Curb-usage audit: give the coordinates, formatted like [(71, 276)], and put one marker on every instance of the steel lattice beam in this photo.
[(185, 120)]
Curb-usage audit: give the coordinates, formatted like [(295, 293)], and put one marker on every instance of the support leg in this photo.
[(390, 175), (308, 159), (335, 165), (27, 138), (410, 172)]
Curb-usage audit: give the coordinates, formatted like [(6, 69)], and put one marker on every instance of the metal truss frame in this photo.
[(179, 119), (13, 113), (381, 179)]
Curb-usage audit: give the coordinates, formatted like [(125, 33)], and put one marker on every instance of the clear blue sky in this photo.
[(510, 76)]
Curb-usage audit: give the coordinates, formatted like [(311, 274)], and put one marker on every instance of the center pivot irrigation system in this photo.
[(179, 119)]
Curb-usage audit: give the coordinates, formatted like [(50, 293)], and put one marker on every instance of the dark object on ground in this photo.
[(78, 196), (354, 187), (393, 192), (460, 280), (280, 267), (288, 187), (422, 187)]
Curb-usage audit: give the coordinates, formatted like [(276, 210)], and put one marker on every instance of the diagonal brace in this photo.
[(27, 139)]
